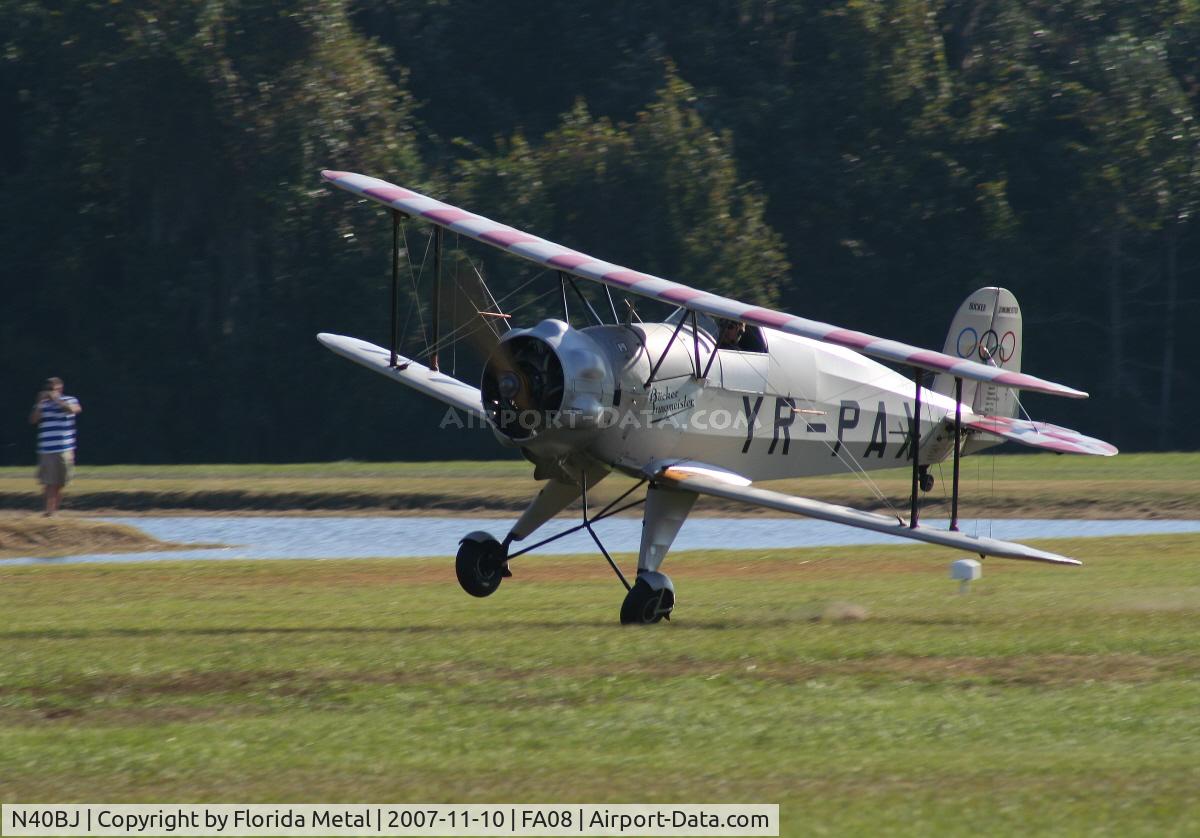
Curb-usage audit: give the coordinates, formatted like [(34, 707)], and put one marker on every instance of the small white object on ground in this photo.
[(966, 571)]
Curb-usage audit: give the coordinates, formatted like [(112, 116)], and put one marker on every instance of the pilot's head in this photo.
[(732, 331)]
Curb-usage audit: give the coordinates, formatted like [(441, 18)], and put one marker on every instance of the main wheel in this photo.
[(646, 603), (480, 564)]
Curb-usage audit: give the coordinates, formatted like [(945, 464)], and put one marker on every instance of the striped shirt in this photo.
[(56, 430)]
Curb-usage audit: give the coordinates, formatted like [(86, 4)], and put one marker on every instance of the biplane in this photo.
[(715, 398)]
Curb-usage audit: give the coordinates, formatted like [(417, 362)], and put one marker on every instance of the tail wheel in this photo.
[(926, 479), (480, 564), (644, 604)]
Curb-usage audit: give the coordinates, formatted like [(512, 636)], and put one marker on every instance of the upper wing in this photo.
[(707, 480), (442, 387), (563, 258), (1040, 435)]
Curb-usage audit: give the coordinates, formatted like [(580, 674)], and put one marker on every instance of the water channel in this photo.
[(292, 537)]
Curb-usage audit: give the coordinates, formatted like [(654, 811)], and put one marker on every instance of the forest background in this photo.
[(169, 250)]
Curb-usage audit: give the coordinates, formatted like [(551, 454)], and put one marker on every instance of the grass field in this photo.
[(1026, 485), (1048, 700)]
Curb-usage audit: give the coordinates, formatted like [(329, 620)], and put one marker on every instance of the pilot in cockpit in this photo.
[(731, 334)]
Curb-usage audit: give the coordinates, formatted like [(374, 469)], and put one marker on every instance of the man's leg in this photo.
[(68, 472), (46, 478), (54, 471), (53, 499)]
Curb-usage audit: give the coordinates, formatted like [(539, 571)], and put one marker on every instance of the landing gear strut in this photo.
[(481, 564), (482, 561)]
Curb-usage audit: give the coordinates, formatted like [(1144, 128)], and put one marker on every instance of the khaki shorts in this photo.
[(56, 469)]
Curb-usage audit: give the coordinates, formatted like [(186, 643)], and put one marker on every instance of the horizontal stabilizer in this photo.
[(560, 258), (1041, 435), (417, 376), (709, 481)]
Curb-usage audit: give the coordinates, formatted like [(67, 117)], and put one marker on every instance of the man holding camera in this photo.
[(54, 414)]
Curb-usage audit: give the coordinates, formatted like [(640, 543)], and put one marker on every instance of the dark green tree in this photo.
[(659, 194)]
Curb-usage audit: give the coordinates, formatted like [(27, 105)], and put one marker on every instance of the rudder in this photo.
[(987, 329)]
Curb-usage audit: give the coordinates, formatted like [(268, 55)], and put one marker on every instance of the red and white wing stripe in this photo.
[(562, 258), (1041, 435)]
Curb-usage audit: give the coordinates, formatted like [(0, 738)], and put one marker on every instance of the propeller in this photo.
[(522, 383)]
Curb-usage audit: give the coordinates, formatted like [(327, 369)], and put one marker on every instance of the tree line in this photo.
[(170, 252)]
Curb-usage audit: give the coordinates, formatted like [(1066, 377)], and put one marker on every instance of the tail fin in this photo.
[(987, 329)]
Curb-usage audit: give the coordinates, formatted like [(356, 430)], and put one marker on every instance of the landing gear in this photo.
[(651, 598), (925, 479), (481, 564), (482, 561)]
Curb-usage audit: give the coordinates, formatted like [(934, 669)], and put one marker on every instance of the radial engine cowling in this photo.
[(547, 387)]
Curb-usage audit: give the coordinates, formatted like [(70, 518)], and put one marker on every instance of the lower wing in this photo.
[(417, 376), (709, 480)]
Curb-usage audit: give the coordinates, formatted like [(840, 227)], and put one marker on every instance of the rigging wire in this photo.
[(416, 298), (842, 452), (991, 360), (991, 520), (452, 337), (941, 470), (612, 305), (491, 296), (479, 312), (856, 468), (473, 327)]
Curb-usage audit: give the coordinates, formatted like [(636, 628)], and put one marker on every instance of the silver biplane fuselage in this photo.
[(797, 409)]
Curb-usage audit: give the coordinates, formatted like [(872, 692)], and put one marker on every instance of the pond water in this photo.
[(401, 537)]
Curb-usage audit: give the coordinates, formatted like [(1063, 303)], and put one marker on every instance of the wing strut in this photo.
[(918, 376), (666, 349), (957, 451), (396, 216), (711, 358), (567, 278)]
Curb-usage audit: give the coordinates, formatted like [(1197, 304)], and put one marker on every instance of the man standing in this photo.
[(54, 414)]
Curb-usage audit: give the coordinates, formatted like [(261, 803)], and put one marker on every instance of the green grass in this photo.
[(1027, 485), (1159, 466), (1049, 700)]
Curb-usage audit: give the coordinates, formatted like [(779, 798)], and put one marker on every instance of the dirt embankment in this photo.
[(34, 535)]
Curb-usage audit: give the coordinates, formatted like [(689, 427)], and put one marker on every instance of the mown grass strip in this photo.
[(1037, 485), (1049, 699)]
